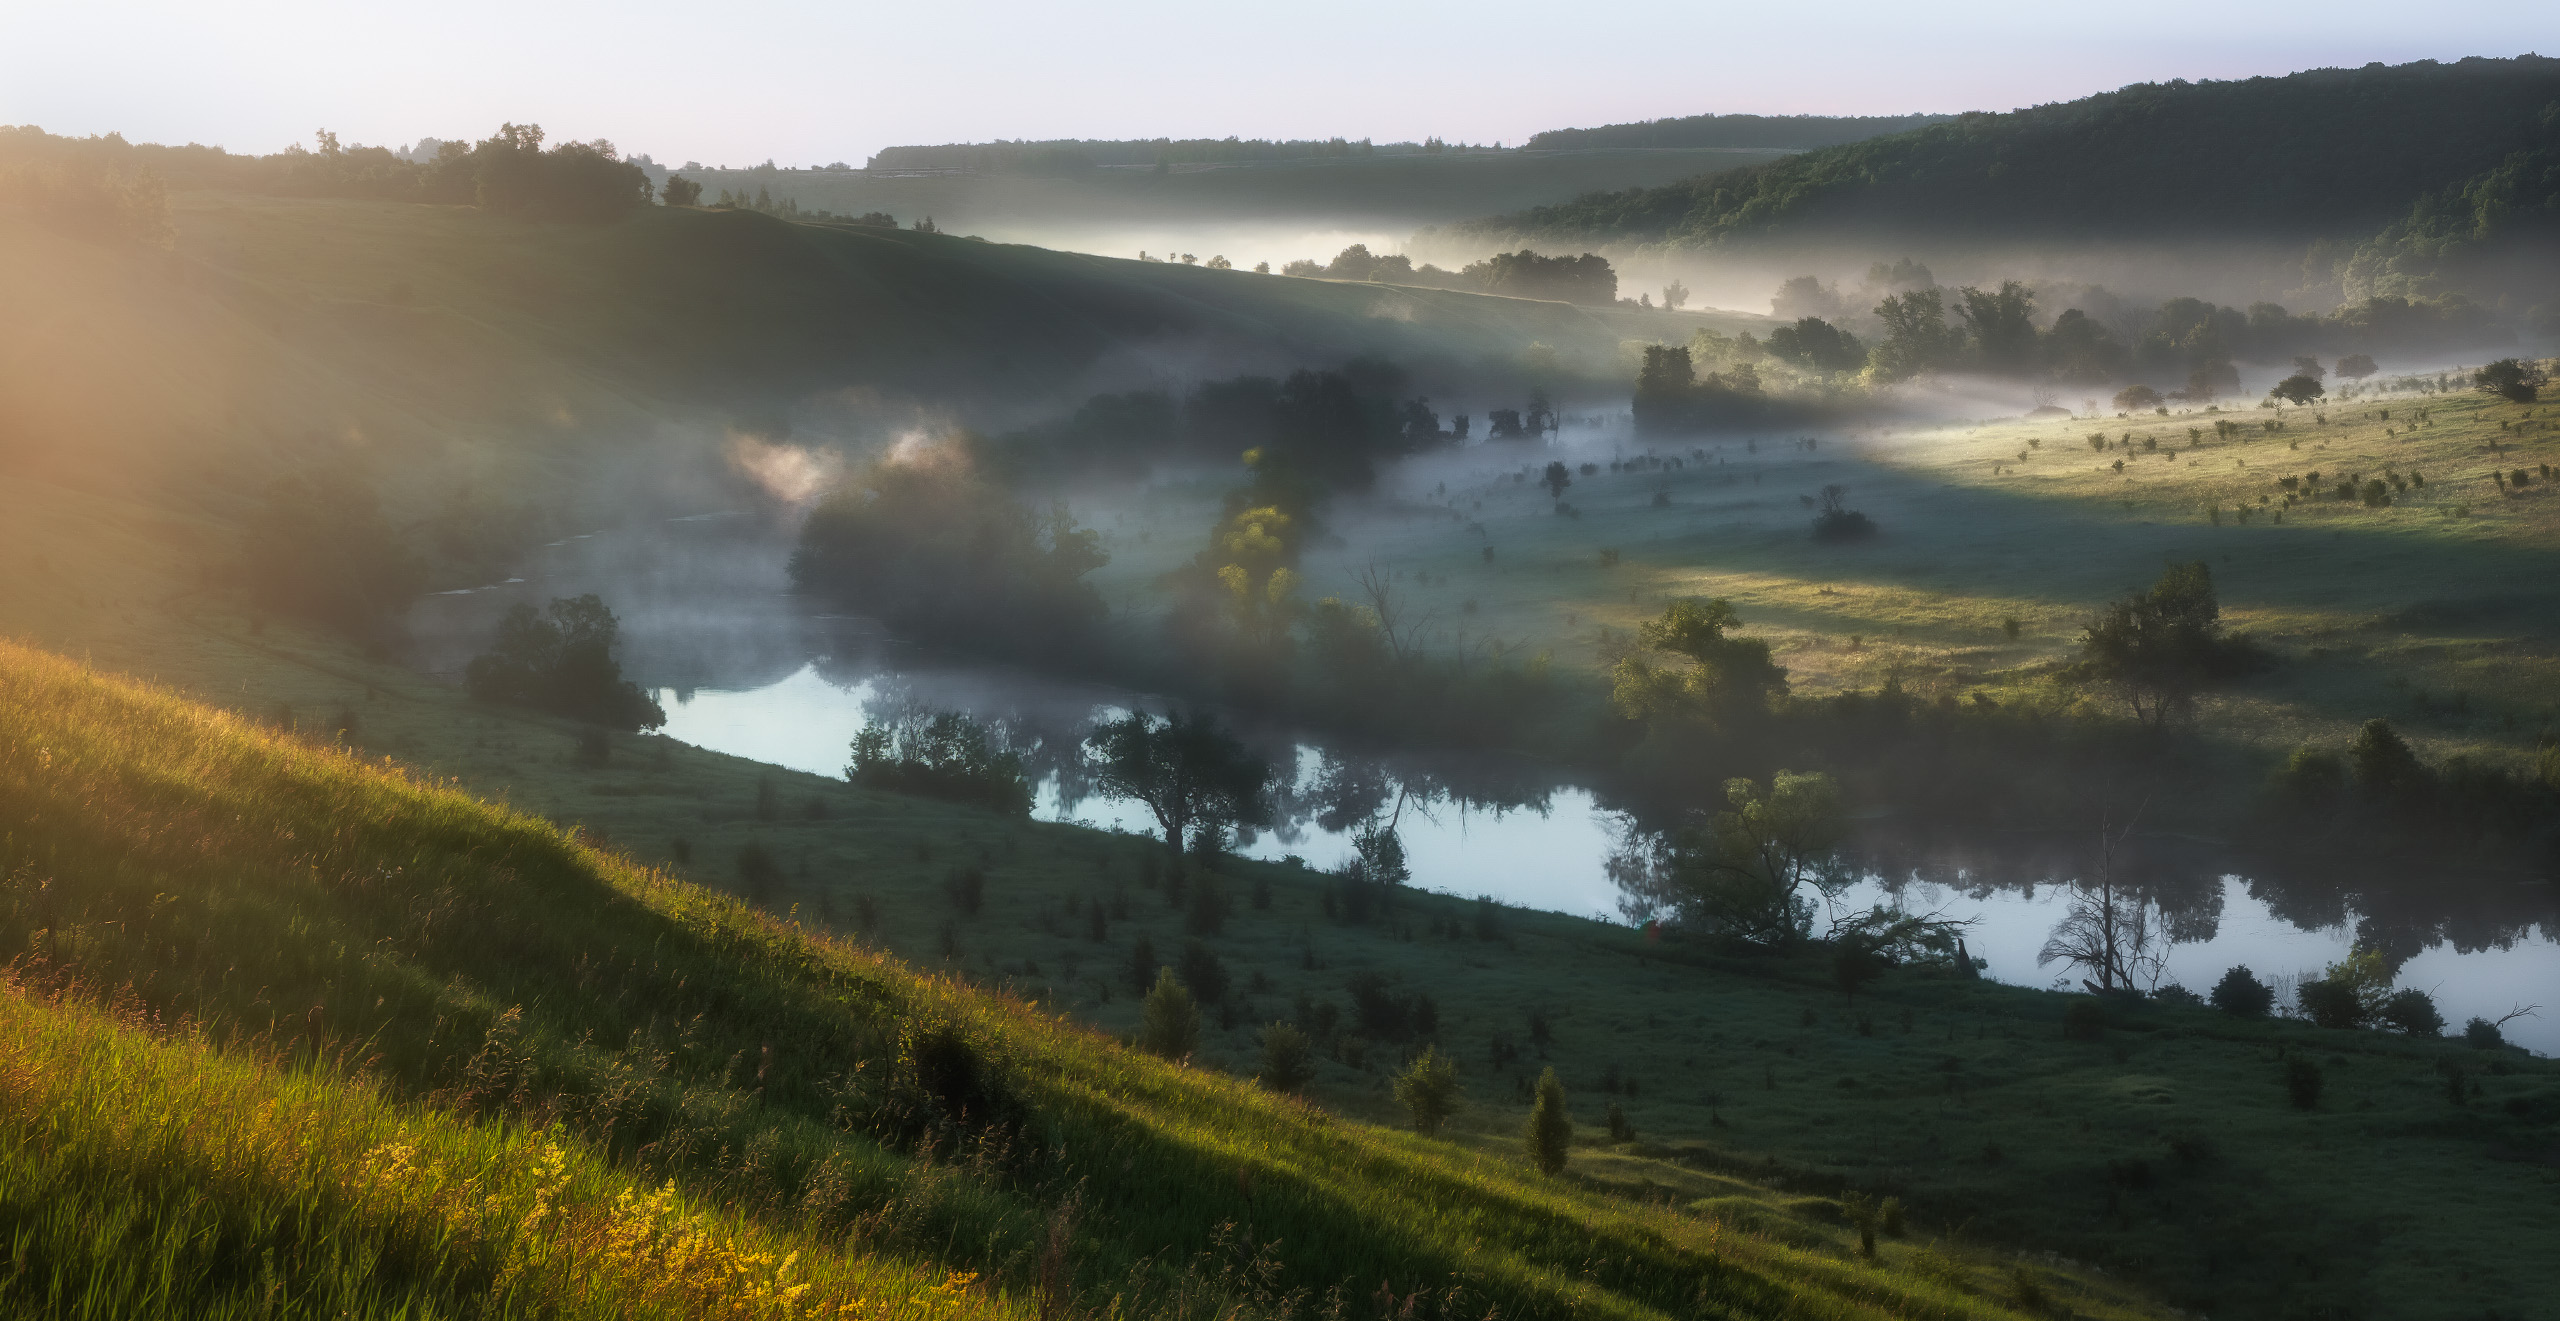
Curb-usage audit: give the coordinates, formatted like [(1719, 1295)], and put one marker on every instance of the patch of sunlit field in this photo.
[(2435, 611), (446, 1057)]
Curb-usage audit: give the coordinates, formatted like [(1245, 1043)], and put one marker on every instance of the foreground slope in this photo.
[(441, 1056)]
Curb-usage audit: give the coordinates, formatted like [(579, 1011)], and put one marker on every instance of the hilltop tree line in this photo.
[(511, 171), (1587, 279), (2329, 152), (1782, 131)]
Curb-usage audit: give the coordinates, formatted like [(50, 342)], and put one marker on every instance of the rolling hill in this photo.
[(2332, 153), (432, 1057)]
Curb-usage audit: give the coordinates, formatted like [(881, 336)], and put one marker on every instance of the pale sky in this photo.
[(808, 83)]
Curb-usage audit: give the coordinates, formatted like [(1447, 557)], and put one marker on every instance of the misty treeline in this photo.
[(510, 171), (1732, 131), (561, 661), (1587, 279), (1076, 155), (1328, 426), (1900, 323), (932, 544)]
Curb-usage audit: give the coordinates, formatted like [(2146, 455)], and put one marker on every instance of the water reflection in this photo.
[(741, 669)]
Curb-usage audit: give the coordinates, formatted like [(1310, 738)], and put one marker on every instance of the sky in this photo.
[(812, 83)]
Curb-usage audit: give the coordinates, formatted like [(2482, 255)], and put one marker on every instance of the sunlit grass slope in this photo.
[(290, 1031)]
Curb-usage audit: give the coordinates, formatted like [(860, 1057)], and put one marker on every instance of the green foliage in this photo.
[(1288, 1059), (2481, 1034), (1169, 1024), (1202, 972), (563, 663), (2299, 390), (1815, 343), (1746, 874), (1428, 1090), (1719, 680), (2510, 379), (2412, 1011), (929, 545), (2159, 647), (2382, 762), (1792, 131), (2241, 995), (680, 191), (1549, 1133), (1526, 274), (2290, 156), (941, 755), (1191, 774)]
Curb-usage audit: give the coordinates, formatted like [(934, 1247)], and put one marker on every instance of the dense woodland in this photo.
[(2334, 153), (1732, 131)]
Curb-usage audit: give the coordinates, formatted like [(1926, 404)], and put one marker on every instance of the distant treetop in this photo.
[(1733, 131)]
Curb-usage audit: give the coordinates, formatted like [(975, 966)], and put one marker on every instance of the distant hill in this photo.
[(1781, 131), (1062, 154), (2327, 153)]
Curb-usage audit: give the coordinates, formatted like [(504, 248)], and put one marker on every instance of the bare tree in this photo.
[(1403, 635), (2109, 929)]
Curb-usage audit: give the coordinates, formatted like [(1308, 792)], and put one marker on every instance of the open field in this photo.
[(2437, 611)]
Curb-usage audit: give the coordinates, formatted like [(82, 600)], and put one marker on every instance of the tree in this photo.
[(2412, 1011), (2356, 366), (680, 191), (2241, 995), (1745, 874), (2081, 350), (1428, 1090), (1556, 478), (2382, 762), (1169, 1022), (941, 755), (1549, 1133), (2511, 379), (2002, 323), (1816, 343), (2299, 389), (1837, 521), (1675, 296), (1377, 853), (1188, 772), (2109, 928), (1288, 1060), (2158, 647), (2136, 398), (1720, 679), (1917, 336), (2306, 365), (563, 663)]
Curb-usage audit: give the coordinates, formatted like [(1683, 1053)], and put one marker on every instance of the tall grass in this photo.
[(377, 999)]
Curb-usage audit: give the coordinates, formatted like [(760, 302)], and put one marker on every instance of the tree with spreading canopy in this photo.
[(1192, 776)]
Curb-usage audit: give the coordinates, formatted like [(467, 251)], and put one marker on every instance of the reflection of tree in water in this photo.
[(2403, 903), (1336, 791)]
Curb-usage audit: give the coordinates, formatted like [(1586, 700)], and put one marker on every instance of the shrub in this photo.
[(1429, 1090), (966, 888), (2413, 1011), (2241, 995), (941, 755), (2082, 1020), (563, 663), (1549, 1134), (2302, 1083), (2331, 1003), (1288, 1060), (1207, 913), (1142, 964), (1169, 1025), (1202, 973), (758, 874), (1620, 1128), (1863, 1214), (2481, 1034)]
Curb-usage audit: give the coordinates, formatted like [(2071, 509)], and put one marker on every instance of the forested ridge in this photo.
[(2325, 153)]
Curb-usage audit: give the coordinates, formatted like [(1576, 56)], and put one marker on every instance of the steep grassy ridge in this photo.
[(347, 993)]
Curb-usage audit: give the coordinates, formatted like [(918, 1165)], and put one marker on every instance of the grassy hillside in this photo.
[(2330, 152), (446, 1059), (473, 351)]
